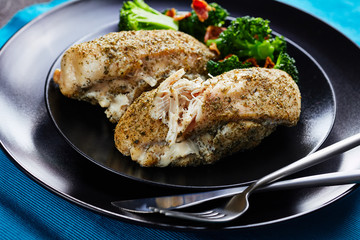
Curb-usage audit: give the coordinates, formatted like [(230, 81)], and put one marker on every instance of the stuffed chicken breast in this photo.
[(115, 69), (189, 123)]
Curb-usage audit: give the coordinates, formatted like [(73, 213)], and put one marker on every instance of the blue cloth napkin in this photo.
[(28, 211)]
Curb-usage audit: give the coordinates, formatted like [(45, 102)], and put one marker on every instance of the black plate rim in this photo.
[(130, 219)]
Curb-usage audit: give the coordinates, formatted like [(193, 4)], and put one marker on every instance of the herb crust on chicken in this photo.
[(116, 68), (189, 123)]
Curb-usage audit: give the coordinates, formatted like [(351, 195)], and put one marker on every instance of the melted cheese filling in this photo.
[(178, 103), (117, 106), (178, 150), (173, 152)]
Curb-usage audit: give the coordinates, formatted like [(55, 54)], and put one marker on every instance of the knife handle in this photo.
[(191, 199)]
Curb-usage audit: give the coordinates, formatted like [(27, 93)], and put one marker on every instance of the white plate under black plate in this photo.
[(52, 138)]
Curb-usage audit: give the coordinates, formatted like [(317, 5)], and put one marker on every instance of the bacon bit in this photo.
[(252, 61), (269, 63), (265, 38), (57, 75), (201, 8), (213, 32), (171, 13), (228, 56), (181, 17), (190, 127), (214, 48), (197, 94)]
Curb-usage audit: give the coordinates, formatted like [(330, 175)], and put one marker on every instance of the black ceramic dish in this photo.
[(88, 130), (52, 138)]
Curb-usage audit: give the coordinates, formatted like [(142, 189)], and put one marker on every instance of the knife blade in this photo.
[(190, 199)]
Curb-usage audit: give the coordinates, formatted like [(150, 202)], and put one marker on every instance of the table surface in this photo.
[(9, 7), (341, 14)]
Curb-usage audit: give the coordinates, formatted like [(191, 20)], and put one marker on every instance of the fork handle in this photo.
[(320, 180), (309, 160), (326, 179)]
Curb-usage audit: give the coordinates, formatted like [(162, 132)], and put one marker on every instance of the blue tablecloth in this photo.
[(28, 211)]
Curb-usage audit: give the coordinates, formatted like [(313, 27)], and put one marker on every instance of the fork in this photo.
[(238, 204)]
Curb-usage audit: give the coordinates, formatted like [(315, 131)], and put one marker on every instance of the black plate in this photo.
[(31, 137), (88, 130)]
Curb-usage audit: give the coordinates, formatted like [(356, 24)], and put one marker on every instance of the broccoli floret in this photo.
[(194, 27), (279, 45), (286, 63), (249, 37), (217, 16), (216, 68), (137, 15)]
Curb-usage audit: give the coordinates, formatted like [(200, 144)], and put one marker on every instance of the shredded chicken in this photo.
[(184, 122)]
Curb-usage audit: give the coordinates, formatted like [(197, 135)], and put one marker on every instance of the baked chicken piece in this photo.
[(116, 68), (189, 123)]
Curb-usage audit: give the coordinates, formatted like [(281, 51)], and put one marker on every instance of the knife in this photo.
[(190, 199)]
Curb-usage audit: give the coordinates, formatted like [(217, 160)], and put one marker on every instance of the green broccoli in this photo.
[(216, 68), (249, 37), (194, 27), (286, 63), (137, 15)]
